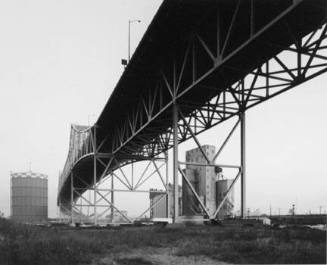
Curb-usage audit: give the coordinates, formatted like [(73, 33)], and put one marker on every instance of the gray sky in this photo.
[(59, 62)]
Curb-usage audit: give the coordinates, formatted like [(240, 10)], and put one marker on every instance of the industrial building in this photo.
[(29, 197), (159, 200), (208, 182), (158, 204), (203, 180)]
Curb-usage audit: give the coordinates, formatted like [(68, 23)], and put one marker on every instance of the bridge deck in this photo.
[(192, 52)]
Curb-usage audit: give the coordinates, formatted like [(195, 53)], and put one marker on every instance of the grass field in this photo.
[(22, 244)]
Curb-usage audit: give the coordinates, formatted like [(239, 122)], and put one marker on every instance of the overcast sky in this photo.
[(59, 62)]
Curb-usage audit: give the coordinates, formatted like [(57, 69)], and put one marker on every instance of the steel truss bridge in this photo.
[(199, 64)]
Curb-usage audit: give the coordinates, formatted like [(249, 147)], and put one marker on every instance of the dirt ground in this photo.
[(155, 256)]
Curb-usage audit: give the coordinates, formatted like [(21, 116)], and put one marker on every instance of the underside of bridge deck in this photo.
[(199, 64)]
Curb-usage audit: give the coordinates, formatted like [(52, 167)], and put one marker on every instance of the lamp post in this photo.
[(129, 36)]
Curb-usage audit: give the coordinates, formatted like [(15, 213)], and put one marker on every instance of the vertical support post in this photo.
[(132, 175), (112, 199), (88, 206), (167, 187), (95, 175), (243, 166), (175, 158), (299, 58), (71, 198), (267, 79), (81, 211)]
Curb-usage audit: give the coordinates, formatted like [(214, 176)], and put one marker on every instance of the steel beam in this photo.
[(225, 142), (194, 193), (209, 165), (152, 206), (167, 187), (175, 162), (95, 175), (214, 216), (243, 166), (112, 199)]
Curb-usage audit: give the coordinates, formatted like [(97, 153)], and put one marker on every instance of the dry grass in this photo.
[(21, 244)]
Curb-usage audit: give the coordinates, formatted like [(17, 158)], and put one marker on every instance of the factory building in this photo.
[(203, 180), (158, 203), (29, 197), (208, 182)]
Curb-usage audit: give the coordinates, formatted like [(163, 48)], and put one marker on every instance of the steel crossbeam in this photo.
[(271, 78), (103, 198)]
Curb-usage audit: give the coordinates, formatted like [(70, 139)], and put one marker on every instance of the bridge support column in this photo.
[(112, 199), (72, 198), (95, 175), (167, 187), (175, 163), (243, 166)]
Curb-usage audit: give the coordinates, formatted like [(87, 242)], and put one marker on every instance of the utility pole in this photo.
[(125, 62)]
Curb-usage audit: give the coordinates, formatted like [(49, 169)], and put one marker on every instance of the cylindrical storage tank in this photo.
[(222, 187), (29, 197)]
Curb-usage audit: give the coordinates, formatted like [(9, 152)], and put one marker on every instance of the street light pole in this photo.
[(129, 36)]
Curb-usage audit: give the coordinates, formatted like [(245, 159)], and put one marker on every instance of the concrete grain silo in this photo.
[(190, 204), (202, 178), (208, 182), (29, 197)]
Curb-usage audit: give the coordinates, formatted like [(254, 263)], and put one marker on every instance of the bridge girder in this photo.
[(233, 58)]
